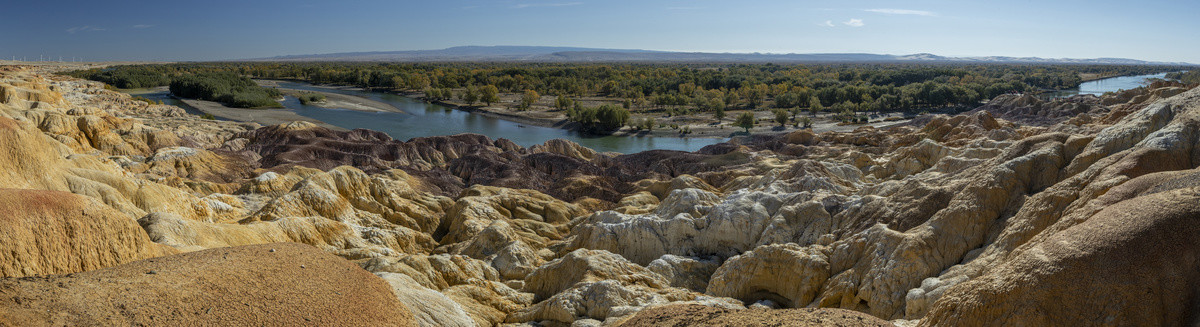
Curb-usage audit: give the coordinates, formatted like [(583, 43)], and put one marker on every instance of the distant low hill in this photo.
[(464, 53), (575, 54)]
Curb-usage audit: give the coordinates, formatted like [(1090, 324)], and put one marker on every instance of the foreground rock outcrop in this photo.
[(700, 315), (1021, 212), (1152, 237), (49, 232), (272, 284)]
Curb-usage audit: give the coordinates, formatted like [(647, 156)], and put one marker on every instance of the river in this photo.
[(1111, 84), (425, 119)]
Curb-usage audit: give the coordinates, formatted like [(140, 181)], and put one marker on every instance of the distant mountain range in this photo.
[(573, 54)]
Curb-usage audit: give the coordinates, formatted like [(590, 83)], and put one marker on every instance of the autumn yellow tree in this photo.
[(489, 94), (529, 98)]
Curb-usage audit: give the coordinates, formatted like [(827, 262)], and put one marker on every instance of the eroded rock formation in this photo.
[(210, 287), (1019, 212)]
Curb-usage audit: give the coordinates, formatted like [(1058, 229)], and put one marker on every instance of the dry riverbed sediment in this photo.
[(261, 116), (279, 116)]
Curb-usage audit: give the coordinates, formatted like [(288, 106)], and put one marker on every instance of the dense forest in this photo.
[(712, 87), (1189, 77), (126, 78), (228, 88), (675, 88)]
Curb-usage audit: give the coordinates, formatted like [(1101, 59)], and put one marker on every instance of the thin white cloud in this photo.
[(854, 22), (142, 26), (559, 4), (828, 23), (87, 28), (891, 11)]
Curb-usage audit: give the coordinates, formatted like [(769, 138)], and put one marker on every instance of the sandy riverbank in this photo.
[(700, 126), (335, 100), (279, 116), (261, 116), (200, 107)]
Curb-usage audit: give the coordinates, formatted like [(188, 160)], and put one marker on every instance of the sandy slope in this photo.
[(262, 285)]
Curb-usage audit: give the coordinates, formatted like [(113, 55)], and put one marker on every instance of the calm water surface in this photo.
[(422, 119), (425, 119), (160, 94), (1112, 84)]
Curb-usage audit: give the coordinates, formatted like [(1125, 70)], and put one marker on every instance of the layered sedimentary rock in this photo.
[(448, 164), (594, 285), (1020, 212), (1151, 237), (465, 284), (49, 232)]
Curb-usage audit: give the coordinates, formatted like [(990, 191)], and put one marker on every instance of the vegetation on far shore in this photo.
[(310, 97), (228, 88), (691, 88), (601, 119), (1188, 77), (846, 90)]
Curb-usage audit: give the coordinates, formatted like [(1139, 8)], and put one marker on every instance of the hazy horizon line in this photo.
[(739, 52)]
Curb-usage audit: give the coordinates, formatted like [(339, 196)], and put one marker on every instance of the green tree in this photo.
[(754, 94), (529, 98), (605, 117), (562, 102), (731, 99), (611, 117), (787, 100), (648, 124), (470, 95), (489, 94), (781, 116), (719, 113), (746, 120)]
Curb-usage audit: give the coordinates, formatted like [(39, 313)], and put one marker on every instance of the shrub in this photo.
[(781, 116), (745, 120), (309, 97), (603, 118)]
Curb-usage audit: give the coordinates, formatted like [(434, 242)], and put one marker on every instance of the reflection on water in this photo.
[(424, 119)]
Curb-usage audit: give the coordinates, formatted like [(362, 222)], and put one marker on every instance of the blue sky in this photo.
[(216, 30)]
